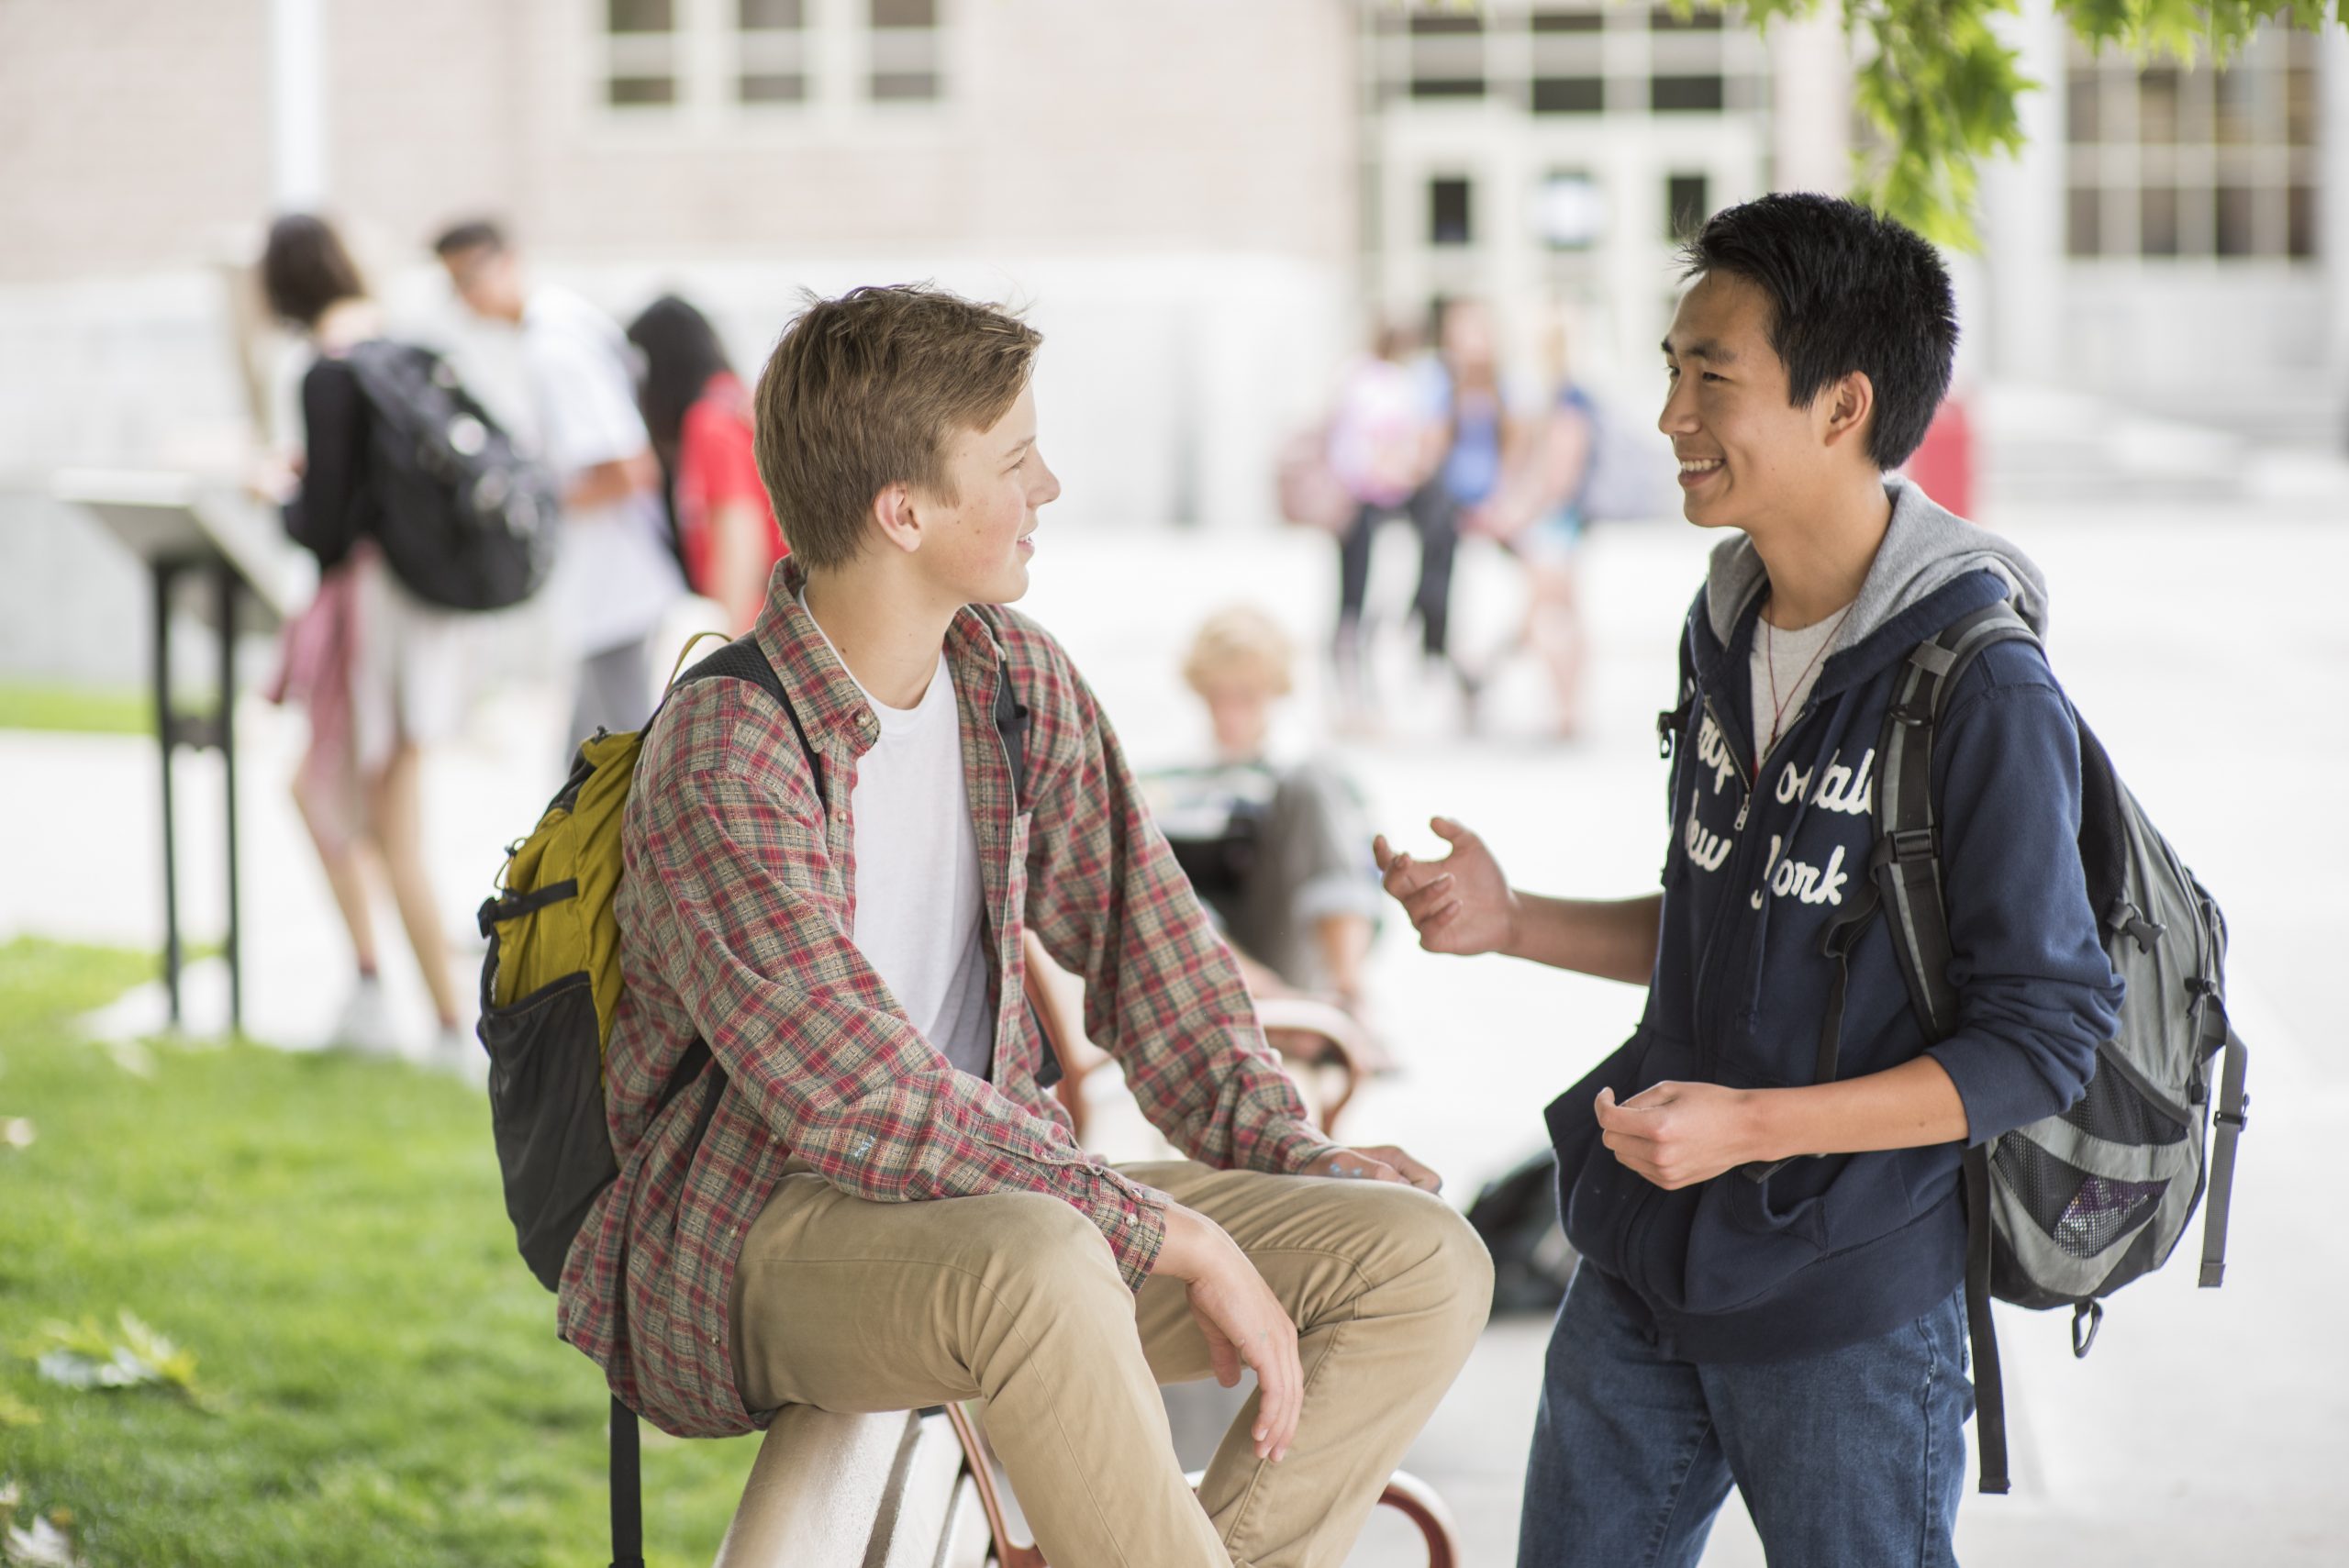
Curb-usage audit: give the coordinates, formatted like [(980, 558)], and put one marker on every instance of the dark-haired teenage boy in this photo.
[(1743, 1313), (614, 576), (875, 1204)]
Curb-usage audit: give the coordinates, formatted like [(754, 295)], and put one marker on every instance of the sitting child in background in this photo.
[(1279, 855)]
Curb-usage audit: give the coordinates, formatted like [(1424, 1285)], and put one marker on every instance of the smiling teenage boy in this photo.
[(873, 1204), (1771, 1286)]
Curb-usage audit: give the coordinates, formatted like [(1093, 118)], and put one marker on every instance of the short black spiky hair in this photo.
[(472, 234), (1850, 290)]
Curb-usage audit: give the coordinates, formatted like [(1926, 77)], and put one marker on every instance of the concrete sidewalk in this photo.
[(2206, 648)]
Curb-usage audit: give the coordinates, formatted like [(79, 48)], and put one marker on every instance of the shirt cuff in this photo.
[(1983, 1073), (1285, 1147), (1132, 1217)]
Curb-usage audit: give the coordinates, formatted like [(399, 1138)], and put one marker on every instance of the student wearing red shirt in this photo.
[(700, 414)]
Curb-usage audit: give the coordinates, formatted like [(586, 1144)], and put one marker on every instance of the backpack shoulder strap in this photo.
[(1011, 720), (1907, 861), (387, 372), (627, 1489), (1989, 1384), (1907, 867), (2232, 1115), (1012, 714), (743, 660), (740, 659), (1674, 719)]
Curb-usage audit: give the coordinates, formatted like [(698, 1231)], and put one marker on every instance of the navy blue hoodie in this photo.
[(1829, 1251)]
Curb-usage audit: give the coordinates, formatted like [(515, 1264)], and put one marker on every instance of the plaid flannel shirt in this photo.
[(735, 916)]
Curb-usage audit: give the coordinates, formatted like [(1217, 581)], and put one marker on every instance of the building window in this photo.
[(1687, 203), (1447, 56), (1568, 62), (1686, 95), (1450, 221), (1688, 69), (2170, 162), (905, 51), (770, 51), (1557, 57), (700, 57), (1569, 95), (1570, 213), (1563, 57), (641, 52)]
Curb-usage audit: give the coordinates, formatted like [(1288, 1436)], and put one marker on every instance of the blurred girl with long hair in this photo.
[(699, 414)]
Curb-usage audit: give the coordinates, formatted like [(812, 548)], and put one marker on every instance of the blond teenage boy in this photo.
[(872, 1205)]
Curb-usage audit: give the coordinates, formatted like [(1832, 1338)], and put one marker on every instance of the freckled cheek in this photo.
[(1010, 520)]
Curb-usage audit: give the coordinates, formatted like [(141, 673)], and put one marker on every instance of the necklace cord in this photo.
[(1770, 662)]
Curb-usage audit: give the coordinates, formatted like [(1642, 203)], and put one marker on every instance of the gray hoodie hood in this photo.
[(1925, 549)]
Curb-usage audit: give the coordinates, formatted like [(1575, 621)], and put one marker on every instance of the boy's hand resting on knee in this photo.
[(1379, 1163), (1242, 1320)]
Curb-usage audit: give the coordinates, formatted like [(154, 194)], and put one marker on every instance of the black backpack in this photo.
[(465, 521), (2067, 1211), (1516, 1215)]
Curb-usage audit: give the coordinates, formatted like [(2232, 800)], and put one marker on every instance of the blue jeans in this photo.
[(1852, 1458)]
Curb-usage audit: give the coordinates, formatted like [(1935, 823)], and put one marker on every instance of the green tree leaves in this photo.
[(1939, 81)]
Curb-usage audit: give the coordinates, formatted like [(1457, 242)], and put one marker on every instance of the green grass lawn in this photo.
[(80, 710), (378, 1377)]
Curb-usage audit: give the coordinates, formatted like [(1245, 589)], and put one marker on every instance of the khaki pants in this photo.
[(1013, 1298)]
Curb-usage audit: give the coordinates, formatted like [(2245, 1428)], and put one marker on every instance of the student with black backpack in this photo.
[(387, 660), (1768, 1183)]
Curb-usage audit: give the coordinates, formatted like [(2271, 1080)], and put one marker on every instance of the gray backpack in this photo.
[(2066, 1211)]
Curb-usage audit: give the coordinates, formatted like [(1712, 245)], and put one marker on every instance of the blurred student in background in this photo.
[(1481, 443), (1539, 516), (617, 574), (382, 673), (1280, 854), (1382, 447), (698, 413)]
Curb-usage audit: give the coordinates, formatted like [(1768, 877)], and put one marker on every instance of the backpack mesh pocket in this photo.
[(2083, 1213), (2114, 1110)]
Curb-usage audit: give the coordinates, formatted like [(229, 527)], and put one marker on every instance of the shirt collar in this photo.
[(824, 694)]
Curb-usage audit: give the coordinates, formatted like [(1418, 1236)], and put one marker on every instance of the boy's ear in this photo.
[(896, 519), (1850, 405)]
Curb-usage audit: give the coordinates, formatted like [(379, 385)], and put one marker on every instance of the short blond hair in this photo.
[(1239, 636), (866, 391)]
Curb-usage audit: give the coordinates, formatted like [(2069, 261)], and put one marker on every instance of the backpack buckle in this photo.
[(2238, 1120), (2091, 1314), (1667, 726), (2128, 920), (1911, 845)]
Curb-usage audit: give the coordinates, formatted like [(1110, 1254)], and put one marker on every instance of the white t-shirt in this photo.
[(917, 888), (1374, 437), (614, 576), (1790, 660)]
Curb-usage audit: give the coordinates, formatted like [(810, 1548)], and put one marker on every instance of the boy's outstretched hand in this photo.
[(1461, 903)]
